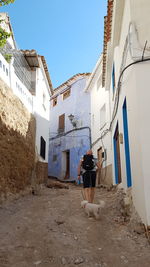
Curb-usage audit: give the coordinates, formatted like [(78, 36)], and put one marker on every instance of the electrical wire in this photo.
[(117, 99), (76, 129)]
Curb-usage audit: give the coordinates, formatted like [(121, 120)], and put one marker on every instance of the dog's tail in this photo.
[(101, 203)]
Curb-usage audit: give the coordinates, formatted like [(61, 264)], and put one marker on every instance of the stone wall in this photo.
[(17, 143), (41, 172)]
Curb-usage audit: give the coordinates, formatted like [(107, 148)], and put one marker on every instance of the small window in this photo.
[(54, 157), (6, 71), (3, 67), (66, 94), (61, 125), (113, 78), (42, 148), (99, 82), (54, 101), (102, 116), (0, 64)]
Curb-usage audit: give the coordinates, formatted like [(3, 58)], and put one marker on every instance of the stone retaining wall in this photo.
[(17, 143)]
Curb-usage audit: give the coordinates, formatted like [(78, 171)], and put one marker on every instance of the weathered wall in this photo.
[(17, 143), (41, 172), (105, 176)]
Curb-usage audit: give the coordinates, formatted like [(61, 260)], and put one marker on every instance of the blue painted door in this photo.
[(117, 161), (126, 143)]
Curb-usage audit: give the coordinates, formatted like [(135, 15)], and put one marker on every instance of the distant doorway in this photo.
[(117, 161), (99, 156), (66, 164)]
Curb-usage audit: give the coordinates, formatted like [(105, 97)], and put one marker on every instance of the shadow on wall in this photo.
[(17, 158)]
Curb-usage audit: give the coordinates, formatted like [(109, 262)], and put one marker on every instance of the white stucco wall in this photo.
[(99, 97), (41, 110), (135, 88)]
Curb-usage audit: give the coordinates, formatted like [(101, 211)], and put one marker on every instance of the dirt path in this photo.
[(51, 229)]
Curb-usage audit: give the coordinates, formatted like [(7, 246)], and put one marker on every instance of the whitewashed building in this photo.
[(26, 73), (100, 121), (70, 132), (126, 64)]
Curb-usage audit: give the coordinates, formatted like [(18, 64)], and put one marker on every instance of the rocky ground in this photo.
[(48, 228)]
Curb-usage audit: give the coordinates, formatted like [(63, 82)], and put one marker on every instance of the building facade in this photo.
[(126, 62), (70, 133)]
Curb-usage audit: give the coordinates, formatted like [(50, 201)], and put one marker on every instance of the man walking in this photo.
[(88, 166)]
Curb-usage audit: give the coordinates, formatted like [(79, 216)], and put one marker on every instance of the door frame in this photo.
[(117, 159), (126, 144), (66, 164)]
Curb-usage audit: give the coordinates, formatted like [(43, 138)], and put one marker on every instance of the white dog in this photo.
[(92, 209)]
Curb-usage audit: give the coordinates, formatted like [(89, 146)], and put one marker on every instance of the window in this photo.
[(0, 64), (113, 78), (3, 67), (103, 116), (6, 71), (66, 94), (99, 82), (61, 122), (54, 101), (44, 101), (42, 148)]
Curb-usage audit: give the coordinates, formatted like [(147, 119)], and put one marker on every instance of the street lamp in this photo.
[(73, 122)]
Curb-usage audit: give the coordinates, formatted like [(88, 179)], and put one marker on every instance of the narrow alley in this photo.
[(51, 229)]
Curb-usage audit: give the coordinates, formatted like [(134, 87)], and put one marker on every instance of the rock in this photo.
[(63, 260), (59, 222), (102, 264), (37, 262), (124, 259), (139, 229), (56, 184), (78, 261)]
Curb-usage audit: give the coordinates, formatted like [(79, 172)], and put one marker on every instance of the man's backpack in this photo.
[(88, 162)]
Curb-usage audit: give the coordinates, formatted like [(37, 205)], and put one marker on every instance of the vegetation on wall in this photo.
[(6, 2), (3, 34), (8, 57)]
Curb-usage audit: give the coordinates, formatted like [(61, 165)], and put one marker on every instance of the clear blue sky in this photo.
[(68, 33)]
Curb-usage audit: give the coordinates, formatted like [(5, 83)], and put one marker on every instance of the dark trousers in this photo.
[(89, 179)]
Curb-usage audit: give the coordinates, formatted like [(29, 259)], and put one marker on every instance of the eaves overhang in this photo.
[(32, 58)]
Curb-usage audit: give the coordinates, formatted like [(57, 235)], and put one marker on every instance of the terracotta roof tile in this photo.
[(73, 78), (107, 36)]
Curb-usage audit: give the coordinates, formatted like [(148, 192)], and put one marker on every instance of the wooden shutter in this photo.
[(61, 123)]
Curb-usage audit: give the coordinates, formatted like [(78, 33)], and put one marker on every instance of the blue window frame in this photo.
[(113, 78)]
